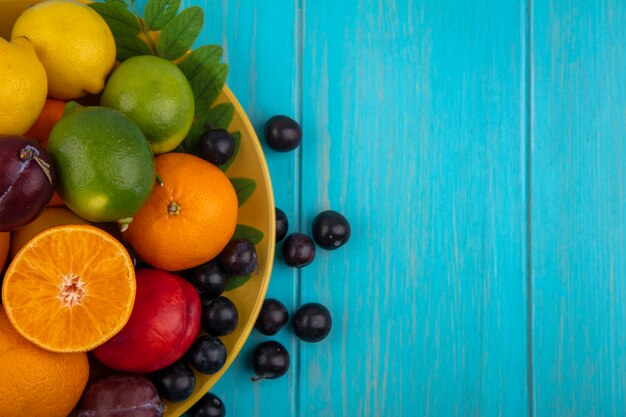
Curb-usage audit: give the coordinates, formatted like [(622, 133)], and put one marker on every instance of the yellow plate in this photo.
[(257, 212)]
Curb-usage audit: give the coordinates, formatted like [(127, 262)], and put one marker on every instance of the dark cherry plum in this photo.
[(209, 406), (217, 146), (239, 257), (121, 396), (270, 360), (219, 316), (27, 180), (272, 318), (174, 383), (209, 279), (312, 322), (331, 230), (282, 225), (207, 354), (298, 250), (283, 134)]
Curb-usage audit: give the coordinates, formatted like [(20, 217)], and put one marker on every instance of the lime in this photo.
[(155, 94), (104, 164)]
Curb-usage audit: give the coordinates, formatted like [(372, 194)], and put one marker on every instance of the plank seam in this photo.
[(300, 117), (528, 150)]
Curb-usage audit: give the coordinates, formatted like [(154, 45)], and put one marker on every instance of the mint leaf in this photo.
[(207, 54), (237, 137), (130, 47), (244, 187), (246, 232), (121, 21), (207, 84), (122, 2), (178, 36), (158, 13), (236, 281), (219, 117)]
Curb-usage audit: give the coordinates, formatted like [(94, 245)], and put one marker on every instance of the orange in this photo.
[(50, 217), (35, 382), (189, 218), (49, 116), (5, 241), (70, 289), (56, 200)]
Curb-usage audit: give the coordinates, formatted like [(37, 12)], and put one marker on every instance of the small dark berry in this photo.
[(282, 133), (174, 383), (208, 406), (270, 360), (282, 225), (312, 322), (217, 146), (219, 316), (209, 279), (272, 318), (298, 250), (207, 354), (239, 257), (331, 230)]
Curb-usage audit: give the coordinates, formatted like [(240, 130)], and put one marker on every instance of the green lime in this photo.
[(156, 95), (104, 164)]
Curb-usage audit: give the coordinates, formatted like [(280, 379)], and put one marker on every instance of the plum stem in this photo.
[(256, 378)]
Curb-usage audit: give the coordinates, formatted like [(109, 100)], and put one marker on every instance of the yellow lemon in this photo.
[(23, 86), (74, 44)]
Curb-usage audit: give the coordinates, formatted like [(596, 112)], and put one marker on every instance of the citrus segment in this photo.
[(70, 289), (35, 382), (189, 218)]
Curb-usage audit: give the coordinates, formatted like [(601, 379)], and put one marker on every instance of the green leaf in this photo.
[(122, 2), (178, 36), (236, 281), (207, 84), (237, 137), (207, 54), (246, 232), (244, 187), (130, 47), (219, 117), (121, 21), (158, 13)]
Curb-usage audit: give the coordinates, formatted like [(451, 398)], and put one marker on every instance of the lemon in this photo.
[(156, 95), (23, 86), (74, 44), (104, 164)]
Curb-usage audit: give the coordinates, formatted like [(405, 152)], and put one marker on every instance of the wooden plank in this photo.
[(414, 127), (579, 208)]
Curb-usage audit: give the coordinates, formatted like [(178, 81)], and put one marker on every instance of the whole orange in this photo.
[(5, 243), (188, 219), (35, 382), (49, 116)]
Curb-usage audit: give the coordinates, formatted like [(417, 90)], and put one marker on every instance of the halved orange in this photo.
[(70, 289)]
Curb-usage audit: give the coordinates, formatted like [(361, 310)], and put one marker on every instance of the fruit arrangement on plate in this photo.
[(137, 223)]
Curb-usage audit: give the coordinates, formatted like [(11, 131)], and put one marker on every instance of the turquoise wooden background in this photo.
[(478, 149)]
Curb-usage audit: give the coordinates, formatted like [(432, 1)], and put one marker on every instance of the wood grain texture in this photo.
[(579, 208), (414, 128)]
